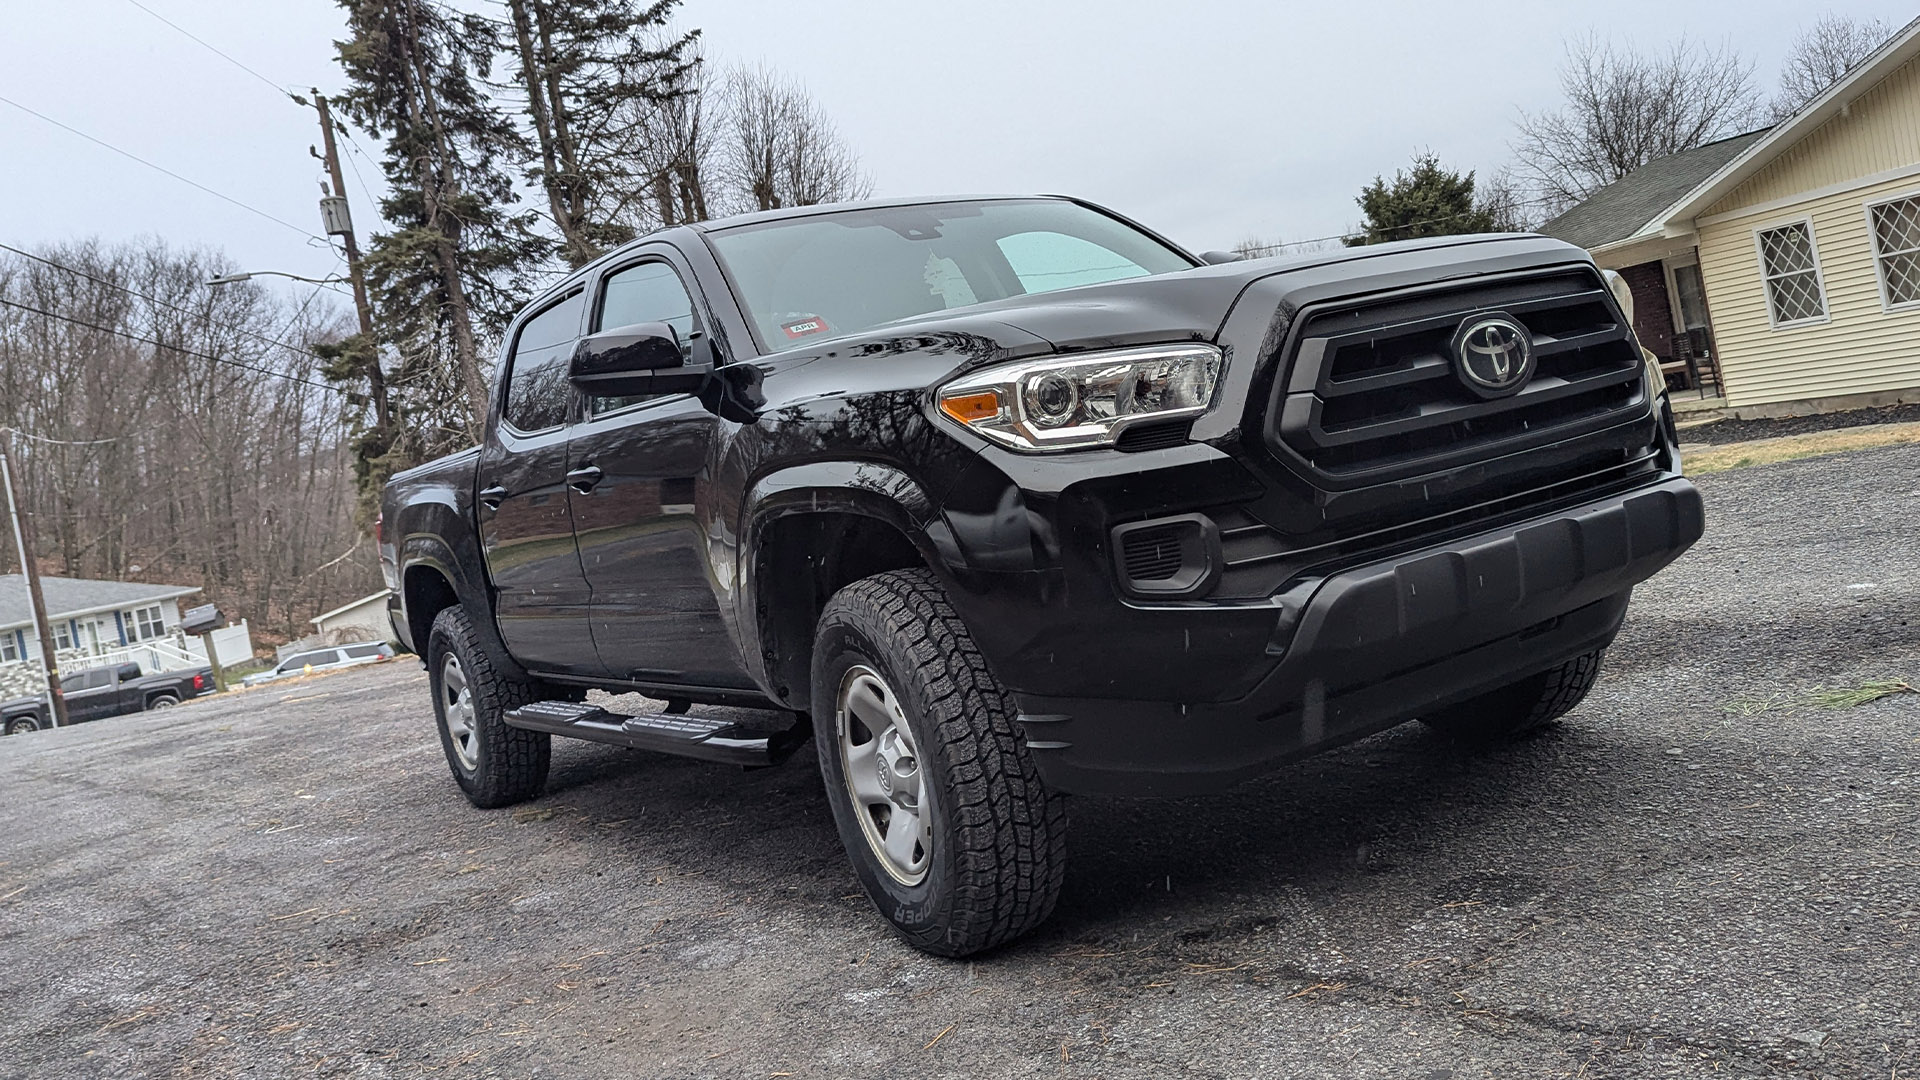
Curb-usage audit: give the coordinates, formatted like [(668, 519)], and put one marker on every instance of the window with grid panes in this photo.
[(1896, 247), (1791, 274)]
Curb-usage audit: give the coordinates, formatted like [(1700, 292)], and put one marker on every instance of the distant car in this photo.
[(328, 659), (107, 691)]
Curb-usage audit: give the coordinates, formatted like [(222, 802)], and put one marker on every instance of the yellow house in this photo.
[(1785, 267)]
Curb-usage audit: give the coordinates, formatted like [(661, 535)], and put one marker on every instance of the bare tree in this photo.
[(1821, 54), (1624, 108), (180, 432), (781, 149), (1506, 202), (672, 143)]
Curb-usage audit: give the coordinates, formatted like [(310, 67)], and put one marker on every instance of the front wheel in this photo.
[(494, 764), (20, 725), (1517, 708), (936, 798)]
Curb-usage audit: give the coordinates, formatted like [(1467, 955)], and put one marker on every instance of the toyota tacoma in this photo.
[(996, 501)]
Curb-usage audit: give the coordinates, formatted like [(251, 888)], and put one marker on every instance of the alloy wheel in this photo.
[(456, 701), (884, 774)]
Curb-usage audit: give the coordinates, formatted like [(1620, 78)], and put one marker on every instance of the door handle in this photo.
[(585, 478), (492, 497)]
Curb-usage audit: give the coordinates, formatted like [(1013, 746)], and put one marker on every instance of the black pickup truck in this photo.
[(998, 500), (106, 691)]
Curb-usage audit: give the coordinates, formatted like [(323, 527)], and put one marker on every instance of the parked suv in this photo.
[(312, 660), (998, 500)]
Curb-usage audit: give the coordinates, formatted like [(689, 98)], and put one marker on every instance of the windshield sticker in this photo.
[(799, 328)]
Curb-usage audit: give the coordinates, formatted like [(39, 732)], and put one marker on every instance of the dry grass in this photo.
[(1715, 459), (1824, 697)]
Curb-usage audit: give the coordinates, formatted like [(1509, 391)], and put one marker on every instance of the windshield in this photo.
[(802, 278)]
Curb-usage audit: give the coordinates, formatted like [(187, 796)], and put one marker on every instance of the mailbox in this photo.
[(202, 620)]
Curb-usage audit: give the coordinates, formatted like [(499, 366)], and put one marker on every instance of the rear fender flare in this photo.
[(438, 540)]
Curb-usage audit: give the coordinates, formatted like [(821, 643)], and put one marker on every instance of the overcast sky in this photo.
[(1210, 120)]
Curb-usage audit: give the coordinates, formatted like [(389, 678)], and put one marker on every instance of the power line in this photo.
[(175, 348), (211, 48), (162, 169), (1351, 235), (58, 442), (256, 335), (277, 88)]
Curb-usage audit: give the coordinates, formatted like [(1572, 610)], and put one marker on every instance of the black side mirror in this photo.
[(621, 362)]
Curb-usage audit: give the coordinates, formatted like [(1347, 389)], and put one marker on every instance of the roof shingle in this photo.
[(1629, 204), (71, 596)]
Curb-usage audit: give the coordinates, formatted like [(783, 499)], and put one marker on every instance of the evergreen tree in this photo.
[(590, 70), (452, 269), (1429, 200)]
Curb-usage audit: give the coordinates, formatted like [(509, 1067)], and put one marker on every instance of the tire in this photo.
[(20, 725), (495, 765), (163, 701), (1517, 708), (901, 691)]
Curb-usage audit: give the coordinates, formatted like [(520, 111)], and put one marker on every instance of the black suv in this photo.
[(1004, 499)]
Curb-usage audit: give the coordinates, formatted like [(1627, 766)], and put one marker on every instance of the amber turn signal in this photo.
[(968, 408)]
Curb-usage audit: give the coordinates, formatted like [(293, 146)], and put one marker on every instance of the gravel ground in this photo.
[(1732, 431), (1699, 875)]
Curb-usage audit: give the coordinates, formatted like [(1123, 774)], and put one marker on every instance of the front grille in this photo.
[(1152, 554), (1369, 393)]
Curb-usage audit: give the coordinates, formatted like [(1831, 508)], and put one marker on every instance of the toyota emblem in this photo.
[(1493, 354)]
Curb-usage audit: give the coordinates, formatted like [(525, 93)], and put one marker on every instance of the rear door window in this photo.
[(537, 387), (361, 652)]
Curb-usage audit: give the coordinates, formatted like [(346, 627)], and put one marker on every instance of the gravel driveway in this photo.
[(1701, 874)]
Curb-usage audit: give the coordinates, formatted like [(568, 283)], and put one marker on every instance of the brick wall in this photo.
[(1652, 314)]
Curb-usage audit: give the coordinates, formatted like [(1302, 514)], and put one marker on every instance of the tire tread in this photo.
[(1010, 860)]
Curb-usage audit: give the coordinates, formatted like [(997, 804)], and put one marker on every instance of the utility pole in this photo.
[(339, 222), (23, 542)]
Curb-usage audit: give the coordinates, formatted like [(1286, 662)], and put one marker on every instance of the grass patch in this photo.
[(1823, 697), (1715, 459), (1847, 697)]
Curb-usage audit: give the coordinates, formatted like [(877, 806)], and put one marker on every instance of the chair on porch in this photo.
[(1694, 370)]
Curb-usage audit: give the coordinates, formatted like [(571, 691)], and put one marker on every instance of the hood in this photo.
[(1192, 305)]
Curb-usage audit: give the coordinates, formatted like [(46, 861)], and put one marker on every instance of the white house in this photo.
[(94, 616), (1783, 265), (363, 620), (97, 623)]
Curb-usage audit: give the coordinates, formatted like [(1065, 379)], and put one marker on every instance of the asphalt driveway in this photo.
[(1705, 872)]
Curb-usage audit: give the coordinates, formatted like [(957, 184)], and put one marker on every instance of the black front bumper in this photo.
[(1373, 646)]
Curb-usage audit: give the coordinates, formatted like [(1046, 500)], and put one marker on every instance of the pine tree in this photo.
[(590, 69), (1429, 200), (450, 272)]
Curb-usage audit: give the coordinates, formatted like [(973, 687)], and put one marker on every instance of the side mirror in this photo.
[(621, 362), (1216, 258)]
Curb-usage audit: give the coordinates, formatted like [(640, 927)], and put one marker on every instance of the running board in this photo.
[(686, 736)]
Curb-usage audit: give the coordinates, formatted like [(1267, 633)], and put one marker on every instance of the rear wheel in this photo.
[(495, 765), (938, 803), (163, 701), (1533, 702), (20, 725)]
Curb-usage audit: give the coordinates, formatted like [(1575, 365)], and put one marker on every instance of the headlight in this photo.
[(1069, 403)]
